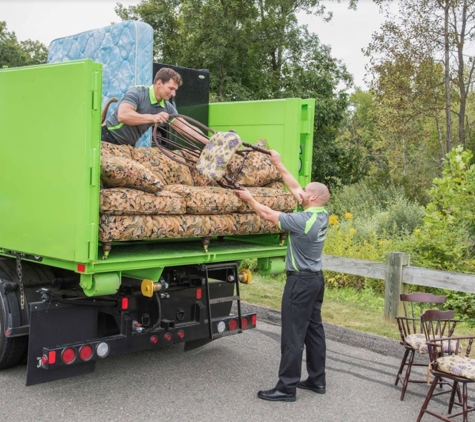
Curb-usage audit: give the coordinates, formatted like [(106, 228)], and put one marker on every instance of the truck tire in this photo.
[(14, 350)]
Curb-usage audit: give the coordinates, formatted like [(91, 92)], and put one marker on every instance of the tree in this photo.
[(446, 240), (438, 30), (24, 53)]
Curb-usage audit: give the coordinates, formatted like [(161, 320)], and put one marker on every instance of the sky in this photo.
[(45, 20)]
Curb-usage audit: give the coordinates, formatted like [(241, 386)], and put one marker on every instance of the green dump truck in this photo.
[(63, 307)]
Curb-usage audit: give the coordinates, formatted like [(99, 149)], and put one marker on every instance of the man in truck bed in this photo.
[(144, 106)]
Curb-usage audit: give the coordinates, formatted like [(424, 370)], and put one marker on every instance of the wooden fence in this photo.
[(398, 275)]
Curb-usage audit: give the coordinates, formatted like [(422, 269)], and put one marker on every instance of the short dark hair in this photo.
[(165, 74)]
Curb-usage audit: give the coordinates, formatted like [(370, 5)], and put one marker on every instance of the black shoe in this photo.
[(275, 395), (320, 389)]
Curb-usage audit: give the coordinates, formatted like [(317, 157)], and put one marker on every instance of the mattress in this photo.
[(125, 50)]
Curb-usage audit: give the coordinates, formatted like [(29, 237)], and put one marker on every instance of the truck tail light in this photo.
[(254, 320), (52, 357), (102, 349), (167, 336), (199, 293), (232, 324), (181, 334), (85, 352), (244, 322), (68, 355)]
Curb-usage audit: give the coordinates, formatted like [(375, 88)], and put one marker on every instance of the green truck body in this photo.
[(50, 153)]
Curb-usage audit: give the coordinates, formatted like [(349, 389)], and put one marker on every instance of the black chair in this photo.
[(413, 338)]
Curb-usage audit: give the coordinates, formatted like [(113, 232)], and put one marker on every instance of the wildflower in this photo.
[(352, 230), (348, 215), (333, 220)]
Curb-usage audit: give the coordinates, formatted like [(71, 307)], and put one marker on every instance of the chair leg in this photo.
[(428, 397), (405, 381), (464, 402), (403, 363), (455, 388)]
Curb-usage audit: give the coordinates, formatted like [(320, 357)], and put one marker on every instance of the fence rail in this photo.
[(398, 275)]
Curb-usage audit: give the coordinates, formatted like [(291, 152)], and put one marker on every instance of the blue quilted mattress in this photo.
[(125, 50)]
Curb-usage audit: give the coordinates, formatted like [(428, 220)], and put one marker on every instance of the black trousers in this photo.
[(302, 325), (106, 136)]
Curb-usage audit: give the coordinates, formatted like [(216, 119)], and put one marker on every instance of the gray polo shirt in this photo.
[(308, 231), (142, 98)]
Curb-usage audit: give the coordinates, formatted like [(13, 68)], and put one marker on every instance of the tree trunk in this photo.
[(461, 65), (448, 114)]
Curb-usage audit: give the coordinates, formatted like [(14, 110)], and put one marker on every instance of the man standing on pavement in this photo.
[(144, 106), (303, 294)]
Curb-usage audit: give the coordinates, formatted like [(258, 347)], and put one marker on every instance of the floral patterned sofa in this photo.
[(145, 195)]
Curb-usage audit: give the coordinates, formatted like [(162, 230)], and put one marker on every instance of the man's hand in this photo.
[(243, 194), (275, 158), (160, 118)]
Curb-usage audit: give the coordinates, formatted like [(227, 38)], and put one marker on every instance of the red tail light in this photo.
[(125, 303), (154, 339), (180, 334), (254, 319), (68, 355), (85, 352), (199, 293), (244, 322), (233, 324), (167, 336), (52, 357)]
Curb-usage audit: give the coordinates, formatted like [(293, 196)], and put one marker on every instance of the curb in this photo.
[(373, 342)]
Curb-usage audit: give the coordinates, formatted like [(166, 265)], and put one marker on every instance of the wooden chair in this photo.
[(450, 360), (209, 159), (413, 338)]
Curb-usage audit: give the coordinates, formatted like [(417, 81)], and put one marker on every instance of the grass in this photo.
[(346, 307)]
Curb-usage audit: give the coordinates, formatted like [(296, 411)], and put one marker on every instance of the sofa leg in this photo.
[(106, 248), (205, 241), (283, 237)]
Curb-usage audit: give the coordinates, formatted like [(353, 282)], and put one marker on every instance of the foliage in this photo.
[(357, 136), (446, 239), (463, 305), (24, 53), (423, 66)]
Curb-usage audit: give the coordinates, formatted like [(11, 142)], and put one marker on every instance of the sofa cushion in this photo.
[(207, 199), (124, 172), (257, 170), (166, 168), (215, 156), (124, 201), (111, 150), (277, 199), (149, 227)]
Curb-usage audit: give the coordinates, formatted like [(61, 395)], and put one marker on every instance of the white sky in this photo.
[(45, 20)]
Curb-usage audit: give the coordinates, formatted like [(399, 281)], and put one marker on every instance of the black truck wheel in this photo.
[(12, 350)]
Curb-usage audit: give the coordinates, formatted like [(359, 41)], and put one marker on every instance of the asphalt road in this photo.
[(219, 382)]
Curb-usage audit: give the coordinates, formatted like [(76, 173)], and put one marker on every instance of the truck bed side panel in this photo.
[(50, 159)]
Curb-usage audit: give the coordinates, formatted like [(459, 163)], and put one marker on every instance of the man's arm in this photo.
[(287, 177), (191, 132), (265, 212), (126, 114)]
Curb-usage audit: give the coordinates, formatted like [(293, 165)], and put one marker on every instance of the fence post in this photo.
[(395, 262)]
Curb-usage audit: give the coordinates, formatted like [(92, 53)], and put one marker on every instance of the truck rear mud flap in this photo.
[(52, 324)]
